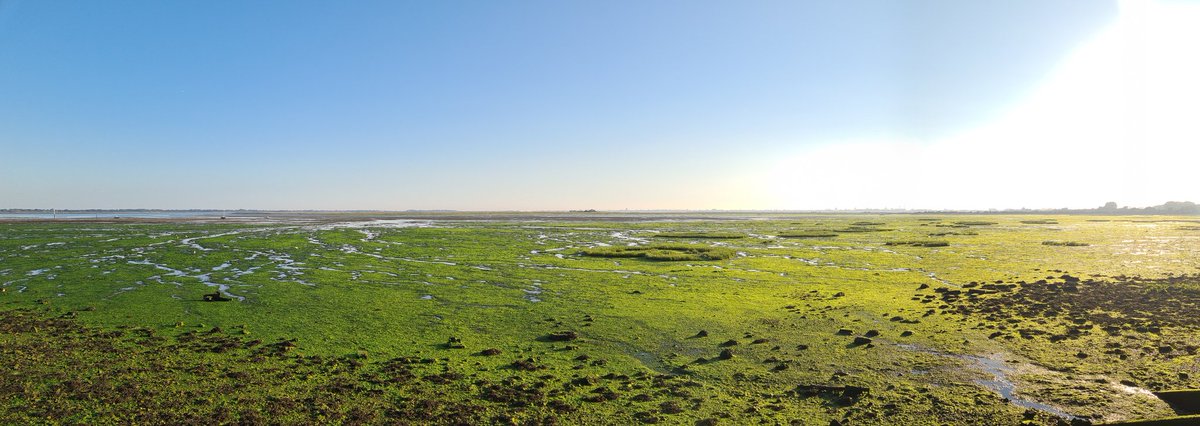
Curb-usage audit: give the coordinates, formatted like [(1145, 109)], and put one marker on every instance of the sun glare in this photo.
[(1115, 120)]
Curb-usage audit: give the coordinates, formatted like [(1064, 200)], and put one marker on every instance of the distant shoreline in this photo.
[(319, 217), (1173, 208)]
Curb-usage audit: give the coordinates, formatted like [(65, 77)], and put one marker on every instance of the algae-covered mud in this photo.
[(839, 319)]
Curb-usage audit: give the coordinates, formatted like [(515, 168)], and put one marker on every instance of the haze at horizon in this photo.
[(615, 105)]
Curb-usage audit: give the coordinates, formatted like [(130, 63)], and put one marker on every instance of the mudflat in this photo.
[(581, 318)]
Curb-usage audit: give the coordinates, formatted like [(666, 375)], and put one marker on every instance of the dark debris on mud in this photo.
[(1134, 316), (1172, 301), (66, 372)]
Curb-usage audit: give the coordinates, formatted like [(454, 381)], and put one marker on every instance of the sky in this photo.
[(551, 105)]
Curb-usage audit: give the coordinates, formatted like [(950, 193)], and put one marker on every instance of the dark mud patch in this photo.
[(662, 252), (1065, 243), (917, 243), (1111, 303)]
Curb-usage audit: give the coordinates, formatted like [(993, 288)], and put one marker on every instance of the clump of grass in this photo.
[(1064, 243), (945, 233), (667, 252), (1040, 222), (863, 229), (974, 223), (918, 243), (807, 234), (617, 251), (865, 223), (699, 234)]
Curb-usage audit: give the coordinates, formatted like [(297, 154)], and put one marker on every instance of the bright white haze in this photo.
[(1118, 120)]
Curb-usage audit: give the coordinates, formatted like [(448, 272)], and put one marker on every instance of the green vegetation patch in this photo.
[(1040, 222), (857, 229), (669, 252), (918, 243), (945, 233), (974, 223), (1064, 243)]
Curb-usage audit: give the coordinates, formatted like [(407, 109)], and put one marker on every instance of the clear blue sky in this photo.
[(484, 105)]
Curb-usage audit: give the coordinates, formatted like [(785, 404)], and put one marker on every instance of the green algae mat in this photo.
[(784, 319)]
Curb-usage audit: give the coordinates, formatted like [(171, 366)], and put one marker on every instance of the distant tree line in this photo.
[(1168, 208)]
